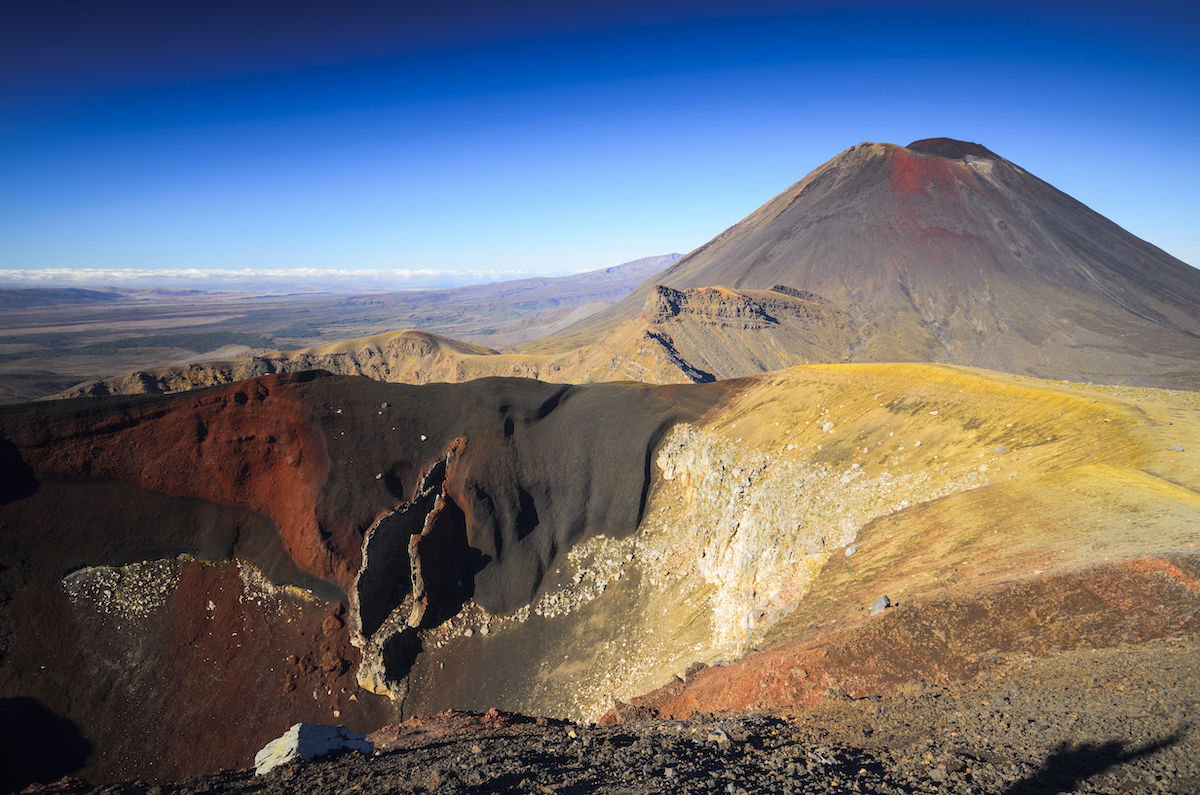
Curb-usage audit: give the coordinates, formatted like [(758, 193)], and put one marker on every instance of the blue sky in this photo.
[(499, 139)]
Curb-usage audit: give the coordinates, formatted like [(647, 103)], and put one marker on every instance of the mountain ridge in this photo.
[(942, 251)]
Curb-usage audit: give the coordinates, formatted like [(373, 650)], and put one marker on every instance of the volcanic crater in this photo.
[(774, 477)]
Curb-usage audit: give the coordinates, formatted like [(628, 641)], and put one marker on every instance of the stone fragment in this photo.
[(880, 604), (308, 741), (850, 550), (718, 736)]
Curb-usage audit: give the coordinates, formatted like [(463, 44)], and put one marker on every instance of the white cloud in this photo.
[(256, 278)]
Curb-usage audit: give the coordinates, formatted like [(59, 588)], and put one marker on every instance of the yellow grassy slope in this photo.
[(1067, 475), (941, 477)]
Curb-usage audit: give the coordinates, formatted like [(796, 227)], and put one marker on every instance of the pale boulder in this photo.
[(308, 741)]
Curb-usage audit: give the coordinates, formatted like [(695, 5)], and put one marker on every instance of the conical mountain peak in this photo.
[(944, 251)]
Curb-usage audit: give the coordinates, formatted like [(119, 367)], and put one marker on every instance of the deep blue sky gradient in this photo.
[(550, 137)]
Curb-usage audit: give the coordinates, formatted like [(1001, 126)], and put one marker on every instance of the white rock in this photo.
[(308, 741)]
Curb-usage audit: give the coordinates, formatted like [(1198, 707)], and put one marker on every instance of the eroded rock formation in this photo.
[(216, 539)]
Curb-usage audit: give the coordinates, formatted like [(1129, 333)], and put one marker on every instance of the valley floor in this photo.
[(1096, 721)]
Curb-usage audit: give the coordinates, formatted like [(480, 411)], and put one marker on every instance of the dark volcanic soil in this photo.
[(1114, 720)]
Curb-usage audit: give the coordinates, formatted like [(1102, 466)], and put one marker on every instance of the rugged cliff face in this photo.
[(1002, 518), (172, 561), (196, 572)]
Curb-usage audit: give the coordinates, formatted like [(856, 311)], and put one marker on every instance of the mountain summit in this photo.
[(949, 147)]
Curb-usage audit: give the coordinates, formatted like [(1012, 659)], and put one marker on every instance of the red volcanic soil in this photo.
[(188, 687), (912, 173), (186, 659), (947, 639), (1097, 721), (250, 445)]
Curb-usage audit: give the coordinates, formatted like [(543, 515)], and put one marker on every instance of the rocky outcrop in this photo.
[(723, 308), (713, 333)]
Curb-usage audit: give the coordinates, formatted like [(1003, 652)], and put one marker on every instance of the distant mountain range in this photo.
[(51, 339), (939, 251)]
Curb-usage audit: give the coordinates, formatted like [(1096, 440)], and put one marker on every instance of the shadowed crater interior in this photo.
[(39, 746), (18, 480)]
